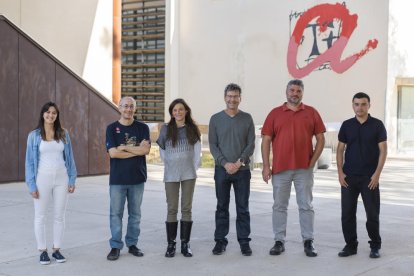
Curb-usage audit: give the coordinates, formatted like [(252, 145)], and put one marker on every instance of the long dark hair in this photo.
[(59, 131), (192, 131)]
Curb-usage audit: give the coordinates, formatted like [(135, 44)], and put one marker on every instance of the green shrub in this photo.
[(207, 160)]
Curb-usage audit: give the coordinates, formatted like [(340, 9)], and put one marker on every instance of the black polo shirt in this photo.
[(362, 151)]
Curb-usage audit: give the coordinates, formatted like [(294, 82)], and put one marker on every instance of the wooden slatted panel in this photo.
[(143, 22), (135, 73), (142, 35), (158, 29), (153, 65), (143, 51), (141, 14), (143, 56), (142, 79)]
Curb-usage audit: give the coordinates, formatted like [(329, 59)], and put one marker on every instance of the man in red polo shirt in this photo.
[(290, 129)]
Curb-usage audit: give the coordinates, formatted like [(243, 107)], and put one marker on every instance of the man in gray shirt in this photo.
[(231, 136)]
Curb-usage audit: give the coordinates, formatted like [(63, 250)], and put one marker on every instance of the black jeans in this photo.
[(349, 200), (241, 186)]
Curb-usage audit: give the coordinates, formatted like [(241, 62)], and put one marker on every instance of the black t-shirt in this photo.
[(128, 171), (362, 151)]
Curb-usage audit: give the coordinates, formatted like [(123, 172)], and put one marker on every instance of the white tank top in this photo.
[(51, 155)]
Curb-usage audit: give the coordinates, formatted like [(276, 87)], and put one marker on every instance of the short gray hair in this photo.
[(124, 99), (296, 82)]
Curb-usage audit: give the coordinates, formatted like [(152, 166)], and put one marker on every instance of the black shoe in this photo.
[(58, 257), (219, 248), (44, 258), (185, 234), (348, 251), (113, 255), (170, 250), (186, 250), (374, 254), (309, 249), (135, 251), (171, 230), (245, 249), (277, 249)]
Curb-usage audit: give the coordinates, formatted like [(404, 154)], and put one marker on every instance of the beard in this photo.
[(294, 100)]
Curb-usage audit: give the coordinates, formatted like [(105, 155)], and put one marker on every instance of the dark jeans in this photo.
[(349, 200), (241, 186)]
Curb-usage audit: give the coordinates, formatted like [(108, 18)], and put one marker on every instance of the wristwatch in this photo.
[(242, 162)]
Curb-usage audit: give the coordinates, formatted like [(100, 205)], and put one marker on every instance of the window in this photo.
[(405, 132)]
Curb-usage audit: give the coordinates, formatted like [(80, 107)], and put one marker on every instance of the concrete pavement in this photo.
[(87, 231)]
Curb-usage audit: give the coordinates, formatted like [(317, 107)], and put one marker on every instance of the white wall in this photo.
[(400, 62), (246, 42), (97, 68), (77, 32), (401, 38), (11, 9)]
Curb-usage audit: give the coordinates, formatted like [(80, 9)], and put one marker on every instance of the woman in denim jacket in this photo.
[(50, 176)]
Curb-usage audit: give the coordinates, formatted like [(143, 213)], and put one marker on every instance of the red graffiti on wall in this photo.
[(324, 15)]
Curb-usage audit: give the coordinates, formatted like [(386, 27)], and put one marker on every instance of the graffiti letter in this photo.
[(326, 13)]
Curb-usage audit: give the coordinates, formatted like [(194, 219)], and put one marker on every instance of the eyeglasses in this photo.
[(128, 106)]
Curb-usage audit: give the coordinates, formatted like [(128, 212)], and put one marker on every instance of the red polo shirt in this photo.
[(292, 133)]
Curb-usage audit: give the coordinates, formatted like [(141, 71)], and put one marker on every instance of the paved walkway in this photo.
[(87, 231)]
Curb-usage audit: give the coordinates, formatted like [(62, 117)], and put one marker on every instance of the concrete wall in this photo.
[(211, 43), (77, 32), (400, 64)]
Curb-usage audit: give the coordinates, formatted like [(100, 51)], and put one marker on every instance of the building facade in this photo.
[(362, 46)]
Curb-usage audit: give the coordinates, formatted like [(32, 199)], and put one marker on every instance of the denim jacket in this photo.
[(32, 159)]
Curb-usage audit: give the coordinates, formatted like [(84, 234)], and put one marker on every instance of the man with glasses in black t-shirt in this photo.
[(127, 142)]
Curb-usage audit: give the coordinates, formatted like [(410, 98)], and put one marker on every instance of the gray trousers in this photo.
[(172, 191), (282, 183)]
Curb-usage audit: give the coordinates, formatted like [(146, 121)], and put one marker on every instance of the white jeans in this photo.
[(51, 185)]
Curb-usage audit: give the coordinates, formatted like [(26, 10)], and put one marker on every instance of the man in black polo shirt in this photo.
[(364, 140)]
